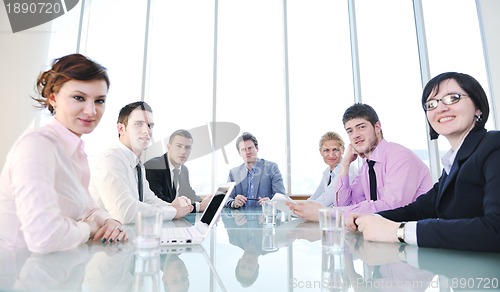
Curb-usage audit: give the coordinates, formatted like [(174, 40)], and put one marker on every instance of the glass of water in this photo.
[(269, 212), (331, 223)]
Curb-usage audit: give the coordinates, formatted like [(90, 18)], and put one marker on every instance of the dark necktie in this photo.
[(250, 190), (139, 180), (175, 182), (373, 180), (329, 179)]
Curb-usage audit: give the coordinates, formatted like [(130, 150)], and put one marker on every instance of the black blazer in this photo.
[(160, 181), (462, 210)]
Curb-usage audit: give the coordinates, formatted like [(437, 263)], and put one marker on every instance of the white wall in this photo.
[(22, 57)]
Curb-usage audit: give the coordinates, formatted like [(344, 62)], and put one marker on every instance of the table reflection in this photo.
[(146, 272), (111, 266), (334, 273), (240, 254), (22, 270), (246, 231), (175, 273), (401, 267)]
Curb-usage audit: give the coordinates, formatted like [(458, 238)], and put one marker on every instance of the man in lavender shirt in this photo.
[(400, 175)]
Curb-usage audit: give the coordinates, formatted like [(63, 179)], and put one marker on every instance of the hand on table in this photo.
[(262, 200), (181, 201), (182, 211), (373, 227), (111, 231), (305, 210), (239, 201)]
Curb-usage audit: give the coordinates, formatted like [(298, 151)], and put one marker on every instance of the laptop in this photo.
[(197, 233)]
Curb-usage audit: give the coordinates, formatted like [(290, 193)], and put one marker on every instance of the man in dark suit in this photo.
[(167, 175)]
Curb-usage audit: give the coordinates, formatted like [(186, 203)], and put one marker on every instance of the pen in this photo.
[(252, 199)]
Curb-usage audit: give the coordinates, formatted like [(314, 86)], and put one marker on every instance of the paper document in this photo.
[(281, 200)]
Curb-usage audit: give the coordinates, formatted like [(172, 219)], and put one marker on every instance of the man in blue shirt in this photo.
[(256, 179)]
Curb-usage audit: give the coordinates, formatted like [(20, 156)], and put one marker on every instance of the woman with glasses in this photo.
[(331, 148), (45, 205), (462, 210)]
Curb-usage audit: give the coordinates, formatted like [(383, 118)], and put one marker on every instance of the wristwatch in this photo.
[(400, 232)]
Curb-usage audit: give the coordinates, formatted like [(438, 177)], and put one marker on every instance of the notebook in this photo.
[(197, 233)]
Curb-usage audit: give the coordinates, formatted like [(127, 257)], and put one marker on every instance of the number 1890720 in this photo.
[(33, 8), (474, 283)]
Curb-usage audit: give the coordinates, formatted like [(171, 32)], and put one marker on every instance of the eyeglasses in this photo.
[(447, 100)]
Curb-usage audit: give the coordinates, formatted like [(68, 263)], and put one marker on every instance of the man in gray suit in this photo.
[(256, 179)]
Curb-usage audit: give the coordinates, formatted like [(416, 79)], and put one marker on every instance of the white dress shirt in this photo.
[(113, 185), (44, 192), (325, 193)]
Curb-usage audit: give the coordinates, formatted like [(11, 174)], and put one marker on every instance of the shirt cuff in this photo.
[(169, 212), (99, 216), (411, 232)]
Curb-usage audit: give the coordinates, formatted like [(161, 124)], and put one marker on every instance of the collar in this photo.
[(470, 144), (257, 164), (336, 169), (70, 141), (378, 153), (171, 166), (448, 159), (251, 171), (133, 160)]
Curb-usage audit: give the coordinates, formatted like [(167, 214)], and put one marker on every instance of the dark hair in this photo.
[(64, 69), (129, 108), (360, 111), (182, 133), (470, 85), (246, 137)]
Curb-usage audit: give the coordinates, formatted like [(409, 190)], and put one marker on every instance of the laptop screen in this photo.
[(214, 205)]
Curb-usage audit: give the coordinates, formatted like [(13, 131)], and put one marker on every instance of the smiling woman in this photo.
[(80, 105), (464, 203), (452, 113), (45, 204)]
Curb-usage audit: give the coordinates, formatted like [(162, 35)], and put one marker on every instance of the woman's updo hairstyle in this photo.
[(64, 69)]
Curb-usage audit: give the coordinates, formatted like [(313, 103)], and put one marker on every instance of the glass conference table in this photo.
[(241, 255)]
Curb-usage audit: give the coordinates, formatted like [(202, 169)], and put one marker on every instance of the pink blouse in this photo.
[(44, 192)]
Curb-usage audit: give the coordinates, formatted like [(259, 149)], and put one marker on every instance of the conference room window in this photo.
[(250, 86), (283, 70), (178, 82), (113, 35), (320, 78), (389, 70), (455, 45)]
